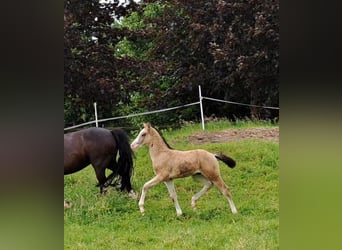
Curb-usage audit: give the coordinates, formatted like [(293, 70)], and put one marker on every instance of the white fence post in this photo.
[(97, 124), (201, 106)]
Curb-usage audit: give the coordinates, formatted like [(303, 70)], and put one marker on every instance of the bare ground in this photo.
[(268, 134)]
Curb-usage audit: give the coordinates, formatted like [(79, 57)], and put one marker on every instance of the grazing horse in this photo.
[(99, 147), (169, 164)]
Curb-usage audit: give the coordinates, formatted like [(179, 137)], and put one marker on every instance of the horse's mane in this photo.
[(161, 135)]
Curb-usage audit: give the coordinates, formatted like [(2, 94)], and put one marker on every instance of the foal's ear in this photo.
[(147, 126)]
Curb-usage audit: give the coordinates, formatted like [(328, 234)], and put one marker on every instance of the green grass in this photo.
[(113, 221)]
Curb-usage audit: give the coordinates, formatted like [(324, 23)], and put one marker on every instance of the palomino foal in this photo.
[(169, 164)]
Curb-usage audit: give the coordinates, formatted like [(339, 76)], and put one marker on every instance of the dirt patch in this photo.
[(268, 134)]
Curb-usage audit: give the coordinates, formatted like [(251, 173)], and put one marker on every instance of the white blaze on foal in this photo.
[(169, 164)]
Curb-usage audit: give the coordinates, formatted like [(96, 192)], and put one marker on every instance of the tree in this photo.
[(229, 48), (91, 71), (159, 52)]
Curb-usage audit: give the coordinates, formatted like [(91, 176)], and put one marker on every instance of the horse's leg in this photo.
[(154, 181), (112, 165), (173, 195), (109, 180), (225, 191), (101, 177), (100, 164), (207, 185)]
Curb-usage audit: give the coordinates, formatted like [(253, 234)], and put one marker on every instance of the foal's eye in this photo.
[(143, 134)]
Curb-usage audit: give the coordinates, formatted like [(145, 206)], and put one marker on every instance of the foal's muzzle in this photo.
[(134, 145)]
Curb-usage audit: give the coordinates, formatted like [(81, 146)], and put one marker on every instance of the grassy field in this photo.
[(113, 221)]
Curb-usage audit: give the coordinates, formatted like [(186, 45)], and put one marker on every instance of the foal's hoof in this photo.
[(142, 211)]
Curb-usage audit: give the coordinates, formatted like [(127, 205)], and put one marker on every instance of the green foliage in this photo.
[(76, 111), (138, 50), (130, 46), (113, 221), (136, 19), (133, 22)]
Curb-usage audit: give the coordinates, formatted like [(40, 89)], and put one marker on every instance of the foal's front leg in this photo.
[(173, 195), (154, 181)]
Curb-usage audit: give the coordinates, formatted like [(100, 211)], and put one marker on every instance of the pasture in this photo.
[(113, 220)]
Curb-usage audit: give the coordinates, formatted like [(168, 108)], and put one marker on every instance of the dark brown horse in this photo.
[(99, 147)]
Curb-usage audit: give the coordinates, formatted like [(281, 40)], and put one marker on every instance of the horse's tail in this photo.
[(226, 159), (125, 161)]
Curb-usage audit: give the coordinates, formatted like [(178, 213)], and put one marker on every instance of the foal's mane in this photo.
[(161, 135)]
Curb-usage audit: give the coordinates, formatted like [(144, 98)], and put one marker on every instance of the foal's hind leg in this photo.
[(173, 195), (225, 191), (207, 185)]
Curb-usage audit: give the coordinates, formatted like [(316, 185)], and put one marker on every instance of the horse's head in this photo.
[(143, 138)]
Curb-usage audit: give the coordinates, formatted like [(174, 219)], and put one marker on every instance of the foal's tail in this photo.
[(125, 161), (226, 159)]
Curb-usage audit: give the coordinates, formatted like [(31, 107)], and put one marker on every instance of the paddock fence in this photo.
[(201, 98)]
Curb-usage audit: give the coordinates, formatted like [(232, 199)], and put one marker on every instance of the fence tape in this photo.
[(80, 125), (238, 103), (133, 115), (167, 109)]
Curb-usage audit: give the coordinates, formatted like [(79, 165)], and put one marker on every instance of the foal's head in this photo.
[(144, 137)]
